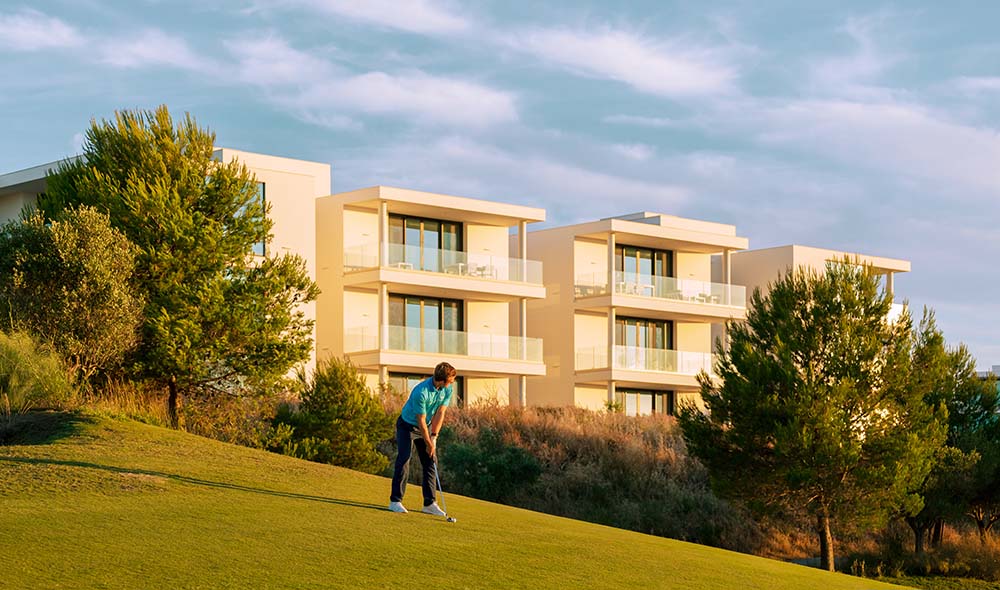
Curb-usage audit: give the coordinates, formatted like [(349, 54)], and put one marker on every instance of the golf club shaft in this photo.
[(437, 477)]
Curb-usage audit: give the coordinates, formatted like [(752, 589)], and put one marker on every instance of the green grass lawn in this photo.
[(93, 502)]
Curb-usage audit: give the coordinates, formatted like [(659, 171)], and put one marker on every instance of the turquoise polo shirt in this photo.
[(426, 399)]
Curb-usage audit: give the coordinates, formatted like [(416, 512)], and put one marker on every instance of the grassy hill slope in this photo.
[(91, 502)]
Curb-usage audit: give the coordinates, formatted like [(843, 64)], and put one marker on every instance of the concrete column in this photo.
[(383, 233), (727, 274), (611, 263), (383, 375), (611, 339), (383, 316), (523, 327), (522, 388), (889, 287), (522, 248), (611, 392)]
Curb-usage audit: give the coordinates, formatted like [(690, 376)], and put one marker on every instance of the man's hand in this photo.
[(432, 446)]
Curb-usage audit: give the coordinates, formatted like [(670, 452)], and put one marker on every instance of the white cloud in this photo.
[(974, 85), (152, 47), (901, 139), (269, 61), (668, 68), (30, 30), (457, 165), (417, 16), (318, 92), (661, 122), (634, 151)]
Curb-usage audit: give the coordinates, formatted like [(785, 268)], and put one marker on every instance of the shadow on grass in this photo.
[(195, 481), (40, 427)]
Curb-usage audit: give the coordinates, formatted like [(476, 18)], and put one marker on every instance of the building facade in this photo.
[(630, 308), (410, 279)]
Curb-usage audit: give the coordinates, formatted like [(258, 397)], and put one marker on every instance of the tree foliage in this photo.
[(68, 283), (215, 317), (814, 408), (338, 420)]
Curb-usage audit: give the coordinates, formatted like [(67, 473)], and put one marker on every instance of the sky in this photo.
[(860, 126)]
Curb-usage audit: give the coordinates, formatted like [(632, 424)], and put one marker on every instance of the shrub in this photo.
[(602, 467), (31, 375), (130, 399), (337, 421), (68, 283), (239, 419), (489, 468)]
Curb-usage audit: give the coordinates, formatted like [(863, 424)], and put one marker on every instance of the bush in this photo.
[(67, 282), (602, 467), (337, 421), (31, 376), (489, 468), (239, 419), (961, 554)]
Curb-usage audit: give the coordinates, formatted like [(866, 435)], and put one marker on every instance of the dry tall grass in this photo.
[(608, 468)]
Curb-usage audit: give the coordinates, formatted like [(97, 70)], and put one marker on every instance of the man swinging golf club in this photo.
[(418, 425)]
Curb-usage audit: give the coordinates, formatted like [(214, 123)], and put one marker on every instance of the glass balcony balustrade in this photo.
[(477, 265), (662, 288), (476, 344), (639, 358)]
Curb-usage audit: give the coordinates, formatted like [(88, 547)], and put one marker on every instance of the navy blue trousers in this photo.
[(405, 442)]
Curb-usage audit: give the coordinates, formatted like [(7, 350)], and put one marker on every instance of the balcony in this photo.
[(636, 366), (418, 348), (427, 271), (661, 297), (466, 264)]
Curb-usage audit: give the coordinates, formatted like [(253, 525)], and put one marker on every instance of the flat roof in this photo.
[(797, 251), (656, 230), (421, 203)]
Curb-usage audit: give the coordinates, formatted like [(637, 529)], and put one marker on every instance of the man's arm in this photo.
[(425, 434), (438, 420)]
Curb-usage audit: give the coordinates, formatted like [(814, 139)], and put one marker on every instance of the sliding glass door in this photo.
[(425, 324), (423, 244)]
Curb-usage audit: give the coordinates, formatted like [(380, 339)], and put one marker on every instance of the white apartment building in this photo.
[(412, 278), (630, 309)]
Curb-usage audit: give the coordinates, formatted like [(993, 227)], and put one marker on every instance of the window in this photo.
[(639, 402), (405, 382), (425, 324), (423, 244), (260, 248), (640, 265), (643, 333)]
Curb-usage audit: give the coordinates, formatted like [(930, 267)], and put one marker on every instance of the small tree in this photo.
[(68, 283), (813, 409), (215, 318), (974, 427), (338, 420)]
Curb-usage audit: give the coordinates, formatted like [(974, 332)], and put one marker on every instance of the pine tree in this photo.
[(215, 318), (813, 410)]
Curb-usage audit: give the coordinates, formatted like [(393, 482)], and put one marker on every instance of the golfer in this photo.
[(419, 424)]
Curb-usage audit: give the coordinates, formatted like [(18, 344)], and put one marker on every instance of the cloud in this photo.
[(660, 122), (30, 30), (902, 139), (458, 165), (319, 92), (269, 61), (973, 85), (152, 47), (668, 68), (633, 151), (416, 16)]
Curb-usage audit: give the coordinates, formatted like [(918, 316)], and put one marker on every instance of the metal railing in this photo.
[(626, 283), (478, 265), (640, 358), (478, 344)]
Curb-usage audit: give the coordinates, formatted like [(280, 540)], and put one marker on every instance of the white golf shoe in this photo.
[(433, 509), (397, 507)]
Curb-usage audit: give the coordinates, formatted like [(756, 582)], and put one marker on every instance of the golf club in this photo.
[(437, 476)]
